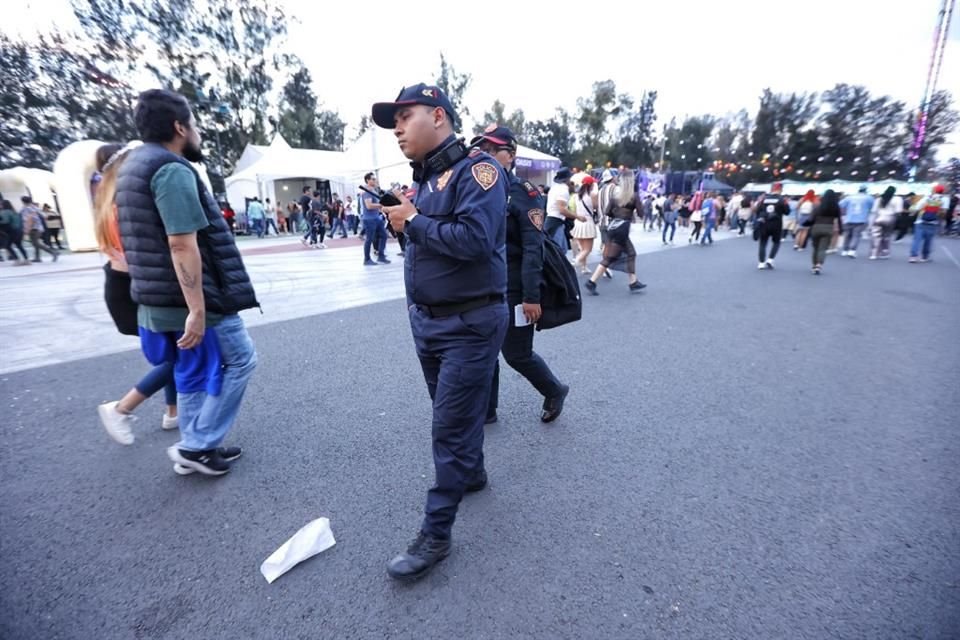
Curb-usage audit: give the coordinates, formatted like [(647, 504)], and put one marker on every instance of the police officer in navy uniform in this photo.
[(455, 274), (525, 215)]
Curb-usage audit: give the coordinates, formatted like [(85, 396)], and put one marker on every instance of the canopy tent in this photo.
[(377, 150), (21, 181), (798, 188), (260, 168), (283, 170), (711, 184)]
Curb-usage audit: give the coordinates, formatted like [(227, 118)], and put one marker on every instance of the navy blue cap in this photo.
[(498, 135), (563, 174), (429, 95)]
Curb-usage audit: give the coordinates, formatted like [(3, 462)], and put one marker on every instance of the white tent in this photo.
[(21, 181), (278, 171), (377, 150)]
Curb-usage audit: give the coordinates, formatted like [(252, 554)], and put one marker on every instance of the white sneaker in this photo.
[(762, 266), (770, 263), (169, 423), (322, 246), (117, 424)]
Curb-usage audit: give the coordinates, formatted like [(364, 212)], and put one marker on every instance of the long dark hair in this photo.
[(830, 204), (887, 196)]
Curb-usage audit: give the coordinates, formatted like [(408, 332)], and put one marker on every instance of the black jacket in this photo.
[(226, 285), (525, 215)]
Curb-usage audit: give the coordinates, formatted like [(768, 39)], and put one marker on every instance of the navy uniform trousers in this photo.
[(519, 354), (458, 354)]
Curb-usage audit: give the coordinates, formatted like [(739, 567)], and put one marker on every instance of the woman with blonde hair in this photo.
[(585, 228), (117, 416), (621, 209)]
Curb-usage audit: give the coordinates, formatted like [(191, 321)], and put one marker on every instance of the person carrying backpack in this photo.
[(525, 247), (769, 226)]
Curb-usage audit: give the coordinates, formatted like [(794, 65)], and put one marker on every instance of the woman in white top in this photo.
[(584, 229), (886, 209), (696, 217)]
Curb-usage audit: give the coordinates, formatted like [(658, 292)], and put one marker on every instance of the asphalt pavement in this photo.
[(744, 454)]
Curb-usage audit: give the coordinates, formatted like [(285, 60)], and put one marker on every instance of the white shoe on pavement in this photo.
[(116, 424), (169, 423), (770, 263), (762, 266)]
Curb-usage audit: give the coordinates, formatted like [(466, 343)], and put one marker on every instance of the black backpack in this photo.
[(560, 291)]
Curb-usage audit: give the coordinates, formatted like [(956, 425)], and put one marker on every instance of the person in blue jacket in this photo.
[(856, 213), (455, 273)]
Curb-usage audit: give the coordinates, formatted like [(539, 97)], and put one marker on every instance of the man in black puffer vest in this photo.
[(188, 279)]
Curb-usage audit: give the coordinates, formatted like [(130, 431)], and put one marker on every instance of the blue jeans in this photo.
[(673, 229), (338, 224), (708, 231), (205, 419), (553, 228), (373, 232), (923, 233), (256, 226), (160, 377), (851, 235), (270, 222)]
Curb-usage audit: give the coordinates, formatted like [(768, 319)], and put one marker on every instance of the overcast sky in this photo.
[(701, 56)]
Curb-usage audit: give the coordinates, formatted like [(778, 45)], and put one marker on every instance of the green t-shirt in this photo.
[(175, 193)]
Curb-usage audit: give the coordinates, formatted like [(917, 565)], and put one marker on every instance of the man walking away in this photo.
[(856, 211)]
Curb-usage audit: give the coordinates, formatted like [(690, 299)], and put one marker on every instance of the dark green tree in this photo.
[(598, 114), (636, 145), (554, 136), (688, 147), (331, 127), (455, 85), (497, 114), (298, 112), (942, 120)]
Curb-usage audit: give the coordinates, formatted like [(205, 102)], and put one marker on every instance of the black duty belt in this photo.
[(444, 310)]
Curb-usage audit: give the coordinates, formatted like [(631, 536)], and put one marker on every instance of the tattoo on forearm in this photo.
[(187, 279)]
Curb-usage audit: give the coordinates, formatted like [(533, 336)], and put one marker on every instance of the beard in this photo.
[(192, 153)]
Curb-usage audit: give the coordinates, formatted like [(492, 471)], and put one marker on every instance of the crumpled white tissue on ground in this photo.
[(313, 538)]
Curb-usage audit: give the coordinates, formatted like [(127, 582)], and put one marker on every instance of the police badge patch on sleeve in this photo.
[(536, 217), (485, 174)]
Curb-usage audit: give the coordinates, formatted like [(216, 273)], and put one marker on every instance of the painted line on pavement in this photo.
[(950, 254)]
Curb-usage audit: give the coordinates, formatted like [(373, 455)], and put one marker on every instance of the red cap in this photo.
[(589, 180), (939, 189)]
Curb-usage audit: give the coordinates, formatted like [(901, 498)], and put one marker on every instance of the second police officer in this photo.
[(525, 216), (455, 275)]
